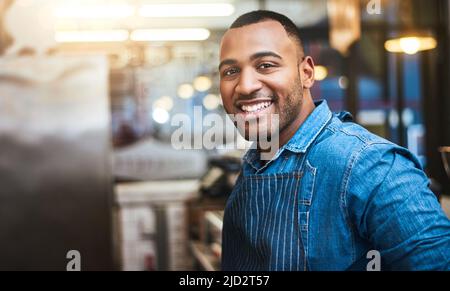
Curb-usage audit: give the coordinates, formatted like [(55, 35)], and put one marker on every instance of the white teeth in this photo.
[(256, 107)]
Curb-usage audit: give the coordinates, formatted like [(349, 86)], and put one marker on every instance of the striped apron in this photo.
[(266, 222)]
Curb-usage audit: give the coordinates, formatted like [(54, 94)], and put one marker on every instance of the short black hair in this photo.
[(264, 15)]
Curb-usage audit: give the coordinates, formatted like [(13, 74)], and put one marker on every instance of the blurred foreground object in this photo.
[(445, 153), (55, 181)]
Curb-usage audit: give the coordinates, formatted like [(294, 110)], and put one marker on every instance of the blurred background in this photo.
[(89, 90)]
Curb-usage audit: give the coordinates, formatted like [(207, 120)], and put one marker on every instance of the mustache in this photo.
[(239, 98)]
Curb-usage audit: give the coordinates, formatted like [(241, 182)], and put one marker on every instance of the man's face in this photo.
[(260, 75)]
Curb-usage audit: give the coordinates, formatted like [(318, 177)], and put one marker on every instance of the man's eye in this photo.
[(265, 66), (229, 72)]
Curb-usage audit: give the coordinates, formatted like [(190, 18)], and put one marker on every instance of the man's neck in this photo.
[(308, 107)]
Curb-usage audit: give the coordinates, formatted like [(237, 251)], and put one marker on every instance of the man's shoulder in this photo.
[(354, 134), (343, 142)]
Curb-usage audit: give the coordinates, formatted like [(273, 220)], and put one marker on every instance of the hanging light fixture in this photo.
[(410, 43), (409, 40)]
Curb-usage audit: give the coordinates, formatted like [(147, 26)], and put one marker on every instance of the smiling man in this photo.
[(260, 66), (332, 192)]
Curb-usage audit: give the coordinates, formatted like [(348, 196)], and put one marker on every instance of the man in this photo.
[(333, 191)]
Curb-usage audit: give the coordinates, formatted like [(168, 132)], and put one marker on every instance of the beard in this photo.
[(292, 106), (269, 127)]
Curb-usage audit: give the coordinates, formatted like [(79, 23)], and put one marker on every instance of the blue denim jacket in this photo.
[(356, 192)]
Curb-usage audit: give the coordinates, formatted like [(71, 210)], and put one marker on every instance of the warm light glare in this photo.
[(160, 115), (186, 91), (186, 10), (410, 45), (320, 73), (92, 36), (211, 101), (182, 34), (95, 12), (202, 83), (164, 102)]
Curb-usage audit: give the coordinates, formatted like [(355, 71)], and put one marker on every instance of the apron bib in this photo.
[(266, 221)]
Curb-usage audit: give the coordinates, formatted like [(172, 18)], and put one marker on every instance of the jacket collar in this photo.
[(310, 128), (306, 134)]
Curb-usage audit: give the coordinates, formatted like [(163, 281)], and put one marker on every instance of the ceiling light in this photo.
[(187, 10), (95, 12), (410, 44), (182, 34), (92, 36)]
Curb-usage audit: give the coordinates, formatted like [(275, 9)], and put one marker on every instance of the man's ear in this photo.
[(307, 72)]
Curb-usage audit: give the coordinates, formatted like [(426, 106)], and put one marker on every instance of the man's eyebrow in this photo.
[(227, 62), (265, 54), (252, 58)]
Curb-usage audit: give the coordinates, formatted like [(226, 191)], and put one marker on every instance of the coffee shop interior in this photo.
[(95, 94)]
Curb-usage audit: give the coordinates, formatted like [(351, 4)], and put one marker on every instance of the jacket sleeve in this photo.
[(389, 203)]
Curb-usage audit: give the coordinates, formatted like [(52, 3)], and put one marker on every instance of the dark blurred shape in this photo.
[(55, 180), (125, 135), (221, 176), (445, 153)]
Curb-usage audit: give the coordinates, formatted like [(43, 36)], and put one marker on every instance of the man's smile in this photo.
[(250, 109)]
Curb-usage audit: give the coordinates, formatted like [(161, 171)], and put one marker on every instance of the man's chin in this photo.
[(256, 135), (262, 129), (265, 141)]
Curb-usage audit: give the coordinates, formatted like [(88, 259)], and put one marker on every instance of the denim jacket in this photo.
[(357, 192)]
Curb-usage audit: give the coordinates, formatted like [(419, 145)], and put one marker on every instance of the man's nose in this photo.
[(248, 83)]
